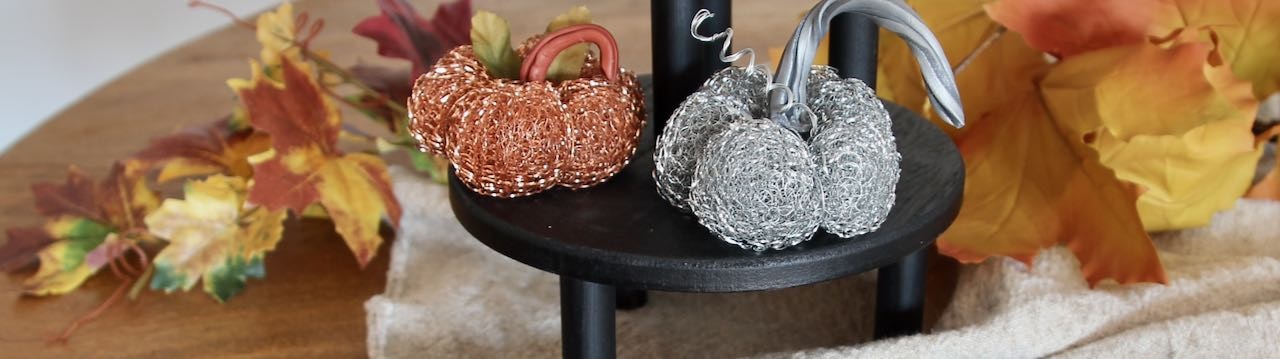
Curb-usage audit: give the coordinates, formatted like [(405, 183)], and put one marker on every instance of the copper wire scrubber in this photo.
[(511, 138)]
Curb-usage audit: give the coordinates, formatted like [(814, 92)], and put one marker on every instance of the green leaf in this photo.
[(568, 64), (167, 279), (228, 280), (82, 236), (491, 39), (427, 163)]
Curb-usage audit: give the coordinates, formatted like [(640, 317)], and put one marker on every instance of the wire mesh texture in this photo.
[(510, 138)]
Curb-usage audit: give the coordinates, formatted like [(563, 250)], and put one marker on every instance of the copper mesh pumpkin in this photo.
[(510, 138)]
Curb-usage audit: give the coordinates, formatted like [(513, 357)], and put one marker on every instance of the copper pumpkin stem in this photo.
[(534, 67)]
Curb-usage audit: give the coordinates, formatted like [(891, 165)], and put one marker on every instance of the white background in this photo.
[(52, 52)]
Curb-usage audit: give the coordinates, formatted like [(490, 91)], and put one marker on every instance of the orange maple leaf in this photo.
[(305, 165), (1028, 187)]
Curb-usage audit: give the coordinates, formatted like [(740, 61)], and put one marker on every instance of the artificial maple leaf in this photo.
[(276, 32), (76, 197), (81, 215), (1068, 27), (1247, 33), (21, 248), (999, 64), (213, 238), (401, 33), (1167, 120), (305, 166), (62, 263), (1028, 187), (203, 151), (120, 200)]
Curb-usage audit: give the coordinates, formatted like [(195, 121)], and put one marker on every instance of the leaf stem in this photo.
[(982, 47), (349, 78)]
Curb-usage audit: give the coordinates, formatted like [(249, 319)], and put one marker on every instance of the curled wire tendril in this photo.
[(702, 16)]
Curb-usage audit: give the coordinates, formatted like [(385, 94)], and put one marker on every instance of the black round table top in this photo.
[(622, 233)]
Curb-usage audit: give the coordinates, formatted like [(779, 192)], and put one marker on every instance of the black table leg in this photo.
[(586, 319), (632, 298), (900, 296)]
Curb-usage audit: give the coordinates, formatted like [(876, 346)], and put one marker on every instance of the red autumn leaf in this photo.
[(124, 196), (305, 166), (212, 149), (387, 81), (401, 33), (21, 248), (121, 199), (295, 115), (1069, 27), (76, 197)]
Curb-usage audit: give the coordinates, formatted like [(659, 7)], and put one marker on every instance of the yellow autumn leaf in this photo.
[(52, 278), (276, 32), (1164, 119), (63, 264), (212, 237), (347, 188), (1247, 33)]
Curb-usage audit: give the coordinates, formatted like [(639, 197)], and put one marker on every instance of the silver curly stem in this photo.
[(893, 15)]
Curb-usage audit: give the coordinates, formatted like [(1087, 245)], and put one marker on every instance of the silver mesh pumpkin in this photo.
[(765, 162)]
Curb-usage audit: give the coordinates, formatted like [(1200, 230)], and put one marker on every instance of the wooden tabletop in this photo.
[(311, 302)]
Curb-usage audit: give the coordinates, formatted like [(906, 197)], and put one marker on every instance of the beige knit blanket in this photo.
[(449, 296)]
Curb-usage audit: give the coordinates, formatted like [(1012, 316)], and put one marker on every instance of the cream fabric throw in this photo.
[(449, 296)]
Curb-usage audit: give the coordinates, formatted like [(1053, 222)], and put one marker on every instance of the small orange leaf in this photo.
[(1068, 27)]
